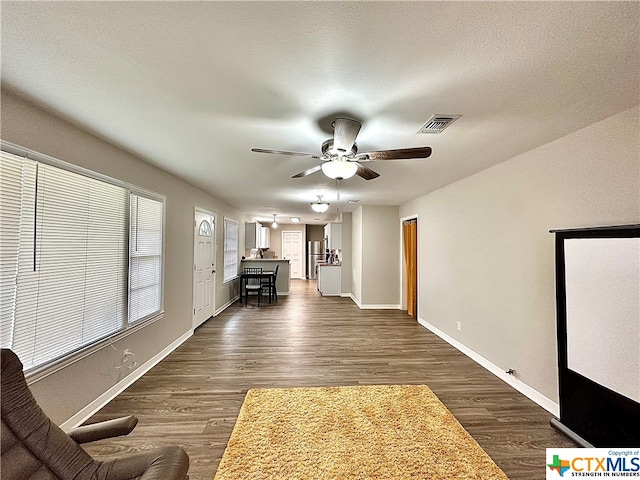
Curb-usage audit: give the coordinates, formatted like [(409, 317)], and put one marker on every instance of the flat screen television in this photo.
[(598, 327)]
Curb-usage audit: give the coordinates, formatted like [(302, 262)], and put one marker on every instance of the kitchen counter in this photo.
[(283, 282), (266, 260), (330, 279)]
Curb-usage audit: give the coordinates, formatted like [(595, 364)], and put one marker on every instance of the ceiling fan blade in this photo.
[(286, 152), (308, 171), (366, 172), (399, 154), (345, 132)]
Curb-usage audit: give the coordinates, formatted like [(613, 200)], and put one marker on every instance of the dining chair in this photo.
[(252, 285), (270, 284)]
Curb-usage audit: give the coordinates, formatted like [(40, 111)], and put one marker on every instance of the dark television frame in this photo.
[(590, 413)]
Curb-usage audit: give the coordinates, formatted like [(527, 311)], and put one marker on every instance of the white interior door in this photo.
[(292, 250), (204, 267)]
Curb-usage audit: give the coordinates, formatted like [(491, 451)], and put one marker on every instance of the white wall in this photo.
[(356, 255), (347, 241), (28, 126), (380, 260), (486, 258), (375, 265)]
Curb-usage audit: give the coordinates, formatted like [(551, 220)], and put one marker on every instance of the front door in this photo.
[(292, 250), (204, 268)]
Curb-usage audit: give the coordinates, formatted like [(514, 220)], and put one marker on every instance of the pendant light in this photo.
[(274, 224), (319, 206)]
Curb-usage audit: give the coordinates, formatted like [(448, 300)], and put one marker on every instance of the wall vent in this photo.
[(438, 122)]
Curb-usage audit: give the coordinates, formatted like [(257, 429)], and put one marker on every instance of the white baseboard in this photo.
[(80, 417), (355, 300), (379, 306), (372, 306), (226, 305), (532, 394)]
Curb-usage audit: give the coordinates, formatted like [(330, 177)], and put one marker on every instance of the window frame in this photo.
[(226, 220), (126, 328), (159, 198)]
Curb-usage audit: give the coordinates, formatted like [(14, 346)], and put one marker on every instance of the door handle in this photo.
[(213, 271)]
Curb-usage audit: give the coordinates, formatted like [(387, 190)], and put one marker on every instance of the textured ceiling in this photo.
[(191, 87)]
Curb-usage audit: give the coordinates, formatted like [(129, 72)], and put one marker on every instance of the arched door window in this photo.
[(205, 229)]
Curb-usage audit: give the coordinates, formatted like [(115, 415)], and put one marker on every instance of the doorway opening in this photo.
[(410, 257)]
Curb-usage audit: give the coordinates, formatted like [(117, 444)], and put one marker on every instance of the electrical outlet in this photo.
[(459, 326)]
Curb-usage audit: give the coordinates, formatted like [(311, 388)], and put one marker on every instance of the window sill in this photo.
[(230, 280)]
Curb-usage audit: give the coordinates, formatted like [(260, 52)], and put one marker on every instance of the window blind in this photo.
[(17, 205), (230, 249), (145, 257), (70, 261), (76, 251)]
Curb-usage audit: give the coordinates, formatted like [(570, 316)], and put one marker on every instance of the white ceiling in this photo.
[(191, 87)]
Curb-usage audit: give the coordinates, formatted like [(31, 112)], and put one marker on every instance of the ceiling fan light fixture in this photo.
[(340, 158), (319, 206), (339, 169), (274, 224)]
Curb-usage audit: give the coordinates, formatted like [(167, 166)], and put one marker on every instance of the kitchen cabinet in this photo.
[(265, 237), (252, 235), (333, 234), (330, 280), (256, 236)]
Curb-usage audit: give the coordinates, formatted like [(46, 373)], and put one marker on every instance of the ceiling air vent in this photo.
[(438, 123)]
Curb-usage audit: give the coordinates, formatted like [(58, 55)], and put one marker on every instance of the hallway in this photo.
[(193, 396)]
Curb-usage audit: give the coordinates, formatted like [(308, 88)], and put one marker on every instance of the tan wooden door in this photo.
[(410, 251)]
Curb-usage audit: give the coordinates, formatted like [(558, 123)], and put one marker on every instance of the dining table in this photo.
[(244, 277)]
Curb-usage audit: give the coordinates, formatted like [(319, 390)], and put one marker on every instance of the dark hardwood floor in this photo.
[(193, 396)]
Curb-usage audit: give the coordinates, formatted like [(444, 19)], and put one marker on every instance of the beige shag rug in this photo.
[(361, 432)]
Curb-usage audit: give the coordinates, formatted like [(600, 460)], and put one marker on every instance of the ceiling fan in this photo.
[(340, 157)]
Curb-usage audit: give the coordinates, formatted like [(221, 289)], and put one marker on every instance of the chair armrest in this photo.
[(171, 464), (101, 430), (161, 463)]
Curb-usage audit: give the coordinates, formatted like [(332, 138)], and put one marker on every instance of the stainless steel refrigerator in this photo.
[(315, 254)]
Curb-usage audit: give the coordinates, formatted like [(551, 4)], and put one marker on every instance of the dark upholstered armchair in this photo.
[(33, 447)]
